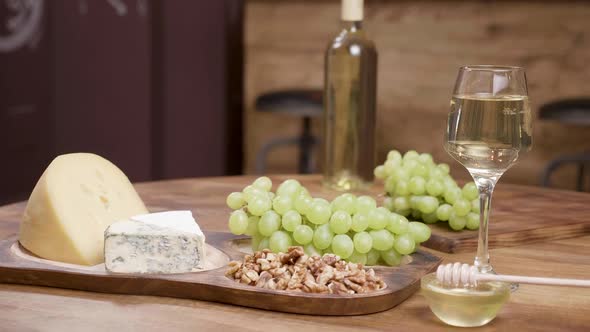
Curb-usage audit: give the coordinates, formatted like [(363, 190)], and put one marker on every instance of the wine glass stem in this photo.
[(486, 188)]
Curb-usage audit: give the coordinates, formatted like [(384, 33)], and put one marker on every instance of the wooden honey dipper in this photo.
[(462, 275)]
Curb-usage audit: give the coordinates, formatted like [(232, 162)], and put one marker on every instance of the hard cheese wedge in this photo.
[(78, 196), (165, 242)]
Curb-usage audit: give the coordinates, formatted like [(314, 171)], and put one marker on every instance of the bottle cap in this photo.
[(352, 10)]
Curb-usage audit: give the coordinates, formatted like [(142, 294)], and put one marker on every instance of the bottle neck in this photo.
[(352, 26)]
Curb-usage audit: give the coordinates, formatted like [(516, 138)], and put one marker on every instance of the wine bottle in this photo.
[(350, 87)]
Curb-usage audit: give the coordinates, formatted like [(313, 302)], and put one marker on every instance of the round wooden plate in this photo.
[(20, 267)]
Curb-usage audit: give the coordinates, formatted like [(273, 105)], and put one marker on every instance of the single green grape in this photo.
[(269, 223), (462, 207), (290, 220), (449, 182), (342, 246), (345, 202), (282, 204), (263, 244), (401, 203), (435, 187), (320, 212), (443, 212), (452, 194), (373, 257), (394, 155), (256, 238), (456, 222), (340, 222), (382, 239), (472, 222), (419, 232), (364, 204), (417, 185), (397, 224), (390, 184), (259, 205), (235, 200), (238, 222), (252, 225), (358, 258), (436, 173), (409, 165), (250, 193), (388, 203), (363, 242), (470, 191), (263, 183), (322, 237), (430, 218), (426, 159), (401, 173), (427, 204), (289, 188), (390, 165), (404, 244), (310, 250), (379, 172), (303, 234), (302, 203), (378, 218), (411, 154), (414, 199), (402, 188), (279, 241), (360, 222), (390, 257), (421, 170), (475, 205), (444, 167)]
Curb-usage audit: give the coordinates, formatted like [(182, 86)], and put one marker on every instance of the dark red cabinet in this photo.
[(154, 86)]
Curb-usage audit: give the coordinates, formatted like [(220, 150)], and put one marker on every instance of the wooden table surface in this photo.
[(24, 308)]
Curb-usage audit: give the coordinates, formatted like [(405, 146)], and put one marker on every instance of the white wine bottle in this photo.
[(350, 89)]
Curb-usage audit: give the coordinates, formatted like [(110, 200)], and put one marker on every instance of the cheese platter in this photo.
[(85, 227)]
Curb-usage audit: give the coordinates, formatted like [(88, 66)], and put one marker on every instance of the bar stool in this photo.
[(305, 104), (567, 111)]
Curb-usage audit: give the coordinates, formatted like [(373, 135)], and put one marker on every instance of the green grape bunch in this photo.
[(352, 227), (419, 188)]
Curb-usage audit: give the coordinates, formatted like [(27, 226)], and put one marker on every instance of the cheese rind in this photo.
[(165, 242), (78, 196)]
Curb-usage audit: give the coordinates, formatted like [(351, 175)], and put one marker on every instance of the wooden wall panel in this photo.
[(421, 44)]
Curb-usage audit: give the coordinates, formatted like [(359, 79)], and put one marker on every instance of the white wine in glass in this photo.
[(489, 127)]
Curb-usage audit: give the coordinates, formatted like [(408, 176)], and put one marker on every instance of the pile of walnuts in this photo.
[(295, 271)]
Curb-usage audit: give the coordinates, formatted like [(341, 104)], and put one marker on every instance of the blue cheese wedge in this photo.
[(164, 242)]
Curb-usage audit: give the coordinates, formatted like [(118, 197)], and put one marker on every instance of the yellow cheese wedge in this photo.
[(78, 196)]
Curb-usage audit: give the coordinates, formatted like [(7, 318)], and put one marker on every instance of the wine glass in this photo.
[(489, 126)]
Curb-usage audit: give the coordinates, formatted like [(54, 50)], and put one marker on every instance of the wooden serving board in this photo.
[(18, 266), (521, 215)]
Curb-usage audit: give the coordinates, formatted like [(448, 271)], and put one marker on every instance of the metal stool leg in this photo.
[(580, 184), (305, 147), (266, 148), (579, 159)]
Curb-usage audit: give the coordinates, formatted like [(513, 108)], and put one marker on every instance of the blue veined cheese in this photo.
[(164, 242)]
